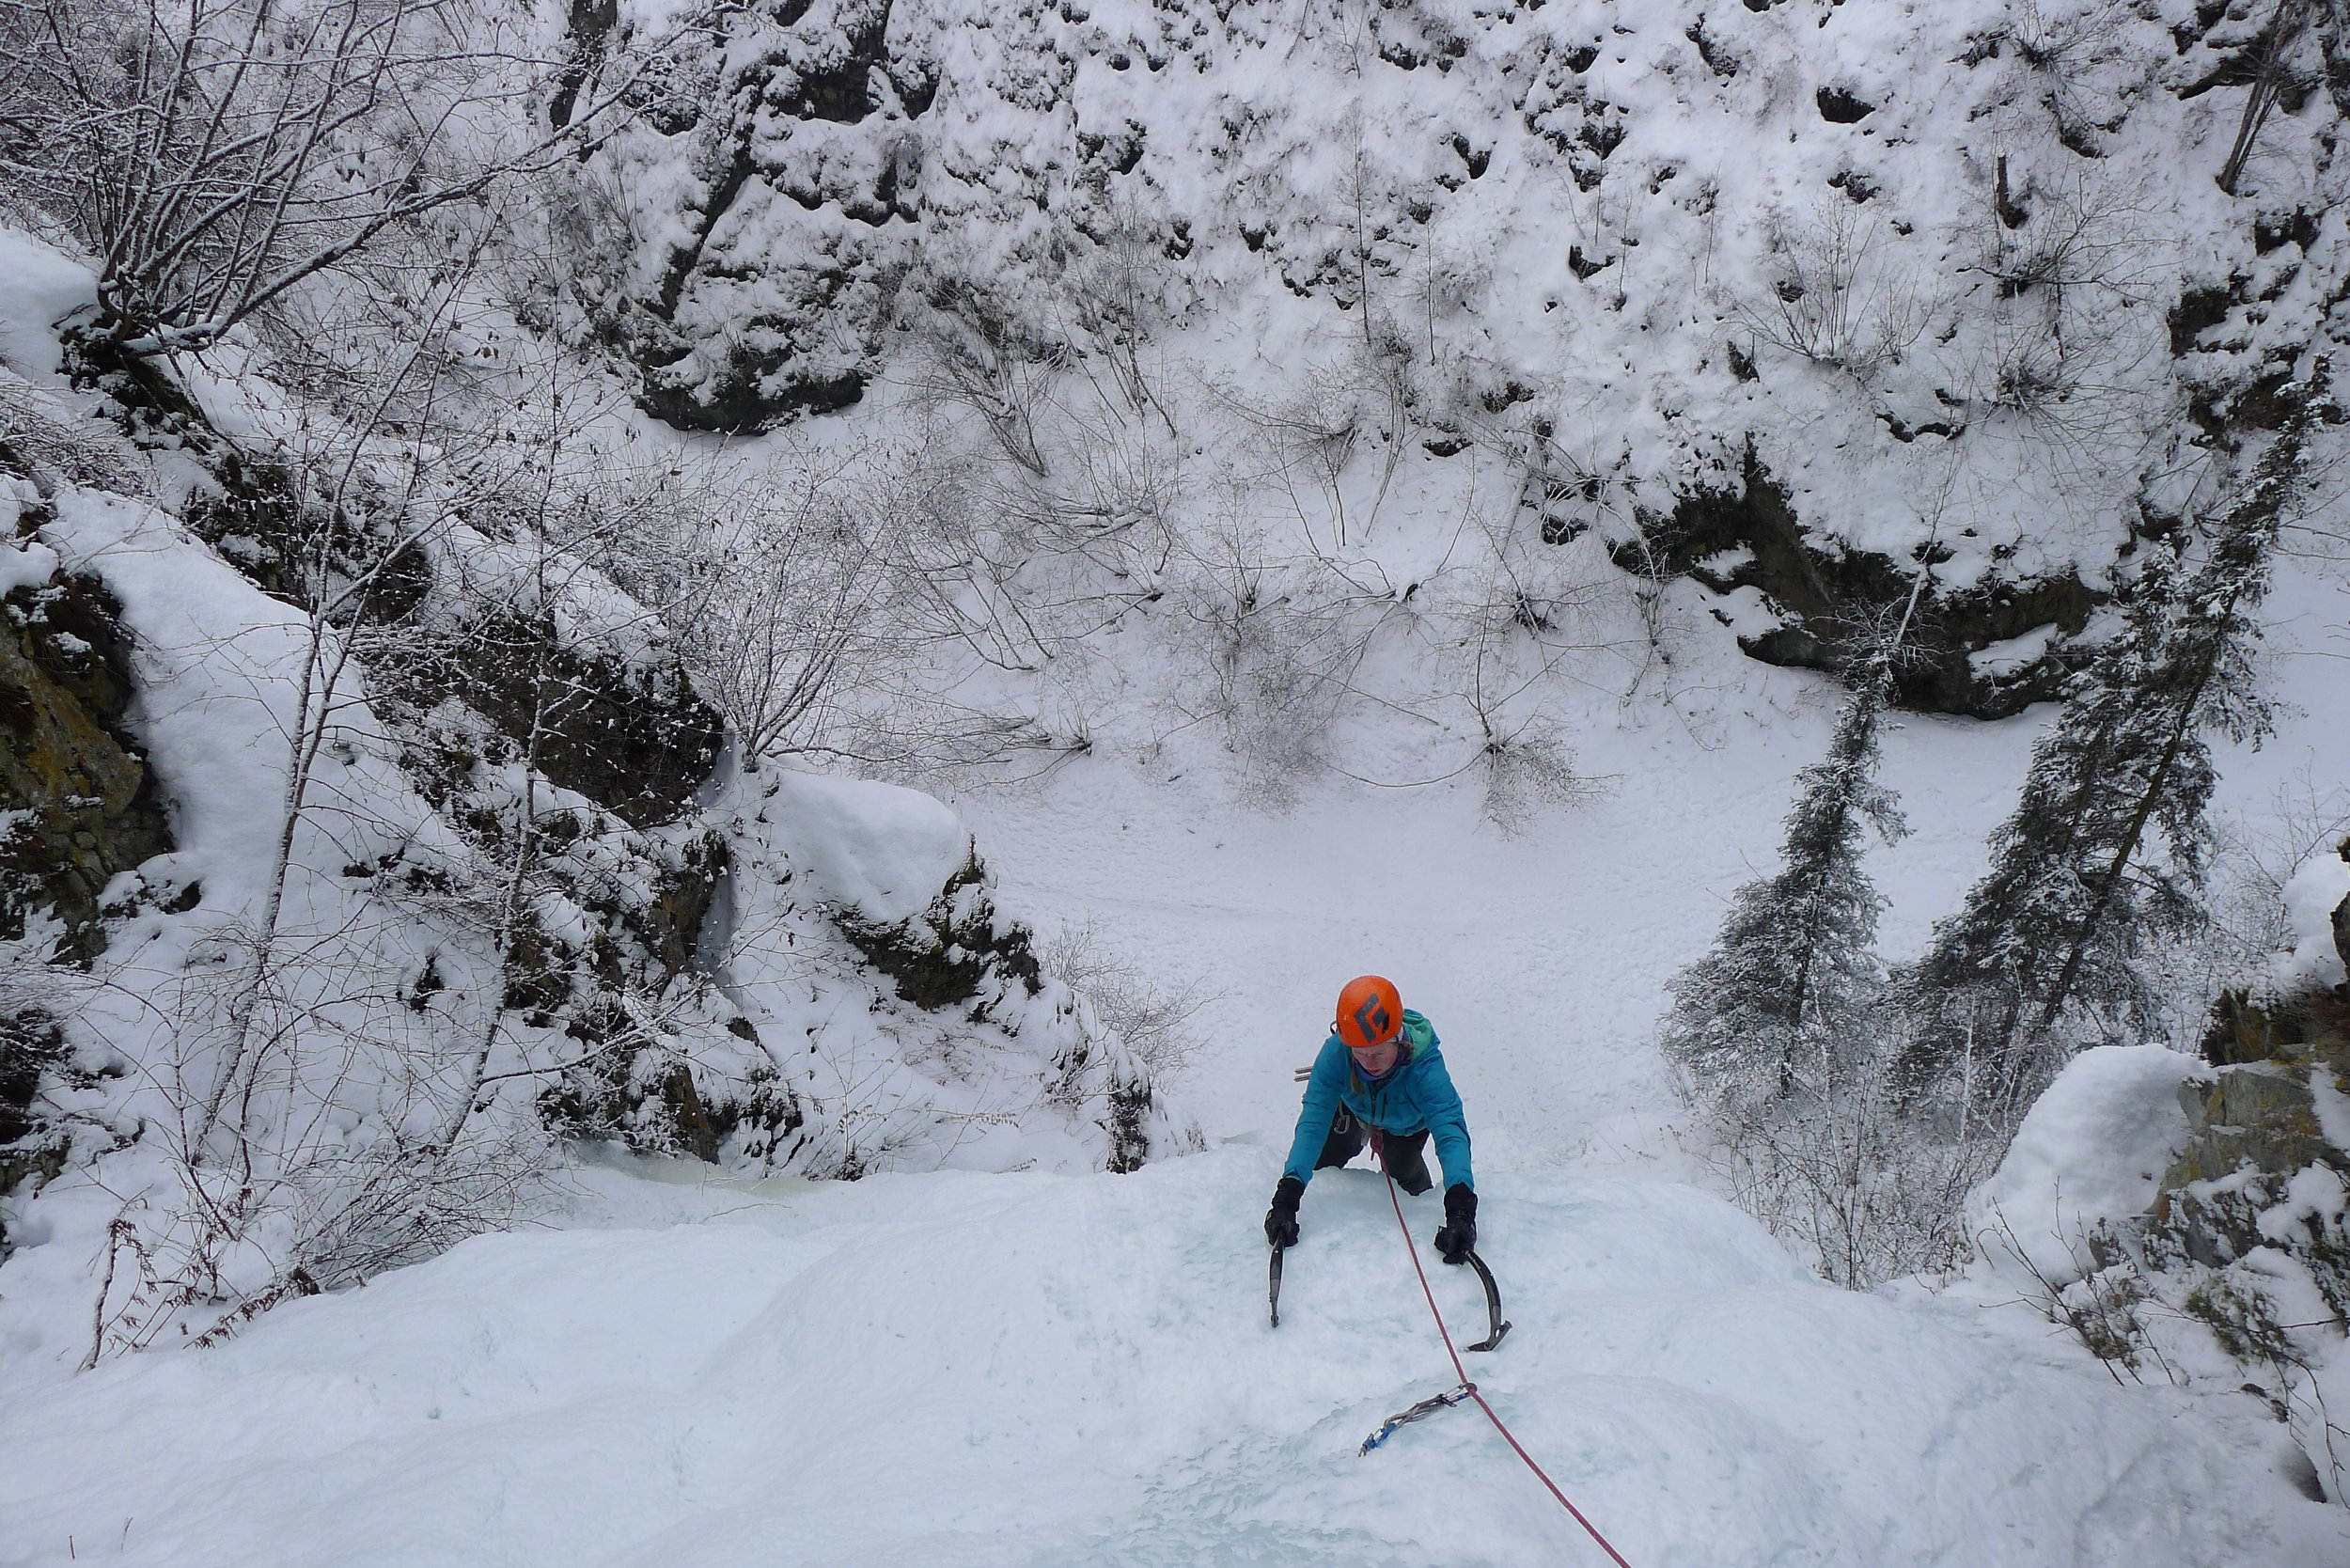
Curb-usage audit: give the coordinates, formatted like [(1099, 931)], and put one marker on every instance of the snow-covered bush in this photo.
[(1836, 294)]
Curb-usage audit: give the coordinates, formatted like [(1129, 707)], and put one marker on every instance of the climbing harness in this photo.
[(1467, 1390)]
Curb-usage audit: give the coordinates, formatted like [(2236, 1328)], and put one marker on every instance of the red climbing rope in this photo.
[(1614, 1556)]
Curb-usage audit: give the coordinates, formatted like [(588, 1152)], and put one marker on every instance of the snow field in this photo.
[(1540, 960), (1543, 959), (957, 1369), (968, 1369)]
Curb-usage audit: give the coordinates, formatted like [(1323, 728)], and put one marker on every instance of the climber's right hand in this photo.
[(1280, 1221)]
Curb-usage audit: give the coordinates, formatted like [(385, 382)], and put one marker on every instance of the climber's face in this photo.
[(1376, 1059)]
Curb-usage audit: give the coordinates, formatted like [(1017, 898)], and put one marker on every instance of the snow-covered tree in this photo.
[(1795, 964), (2060, 924), (1782, 1029)]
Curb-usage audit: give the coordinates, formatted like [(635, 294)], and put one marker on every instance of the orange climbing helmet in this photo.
[(1370, 1013)]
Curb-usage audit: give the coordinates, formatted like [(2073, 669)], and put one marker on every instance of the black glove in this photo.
[(1280, 1221), (1460, 1225)]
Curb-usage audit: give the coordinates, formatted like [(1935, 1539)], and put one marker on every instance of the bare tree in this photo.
[(214, 156), (2071, 276), (982, 355), (1153, 1019), (347, 508), (2270, 74)]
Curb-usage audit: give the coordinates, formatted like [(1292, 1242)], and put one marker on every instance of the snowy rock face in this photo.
[(2269, 1156), (79, 802), (1953, 282), (857, 919), (2193, 1214), (359, 849), (2317, 904)]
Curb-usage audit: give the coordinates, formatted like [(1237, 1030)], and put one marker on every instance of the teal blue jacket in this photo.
[(1416, 1092)]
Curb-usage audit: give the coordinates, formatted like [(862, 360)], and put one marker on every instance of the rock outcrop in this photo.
[(2266, 1161), (81, 806), (1537, 235), (1823, 597)]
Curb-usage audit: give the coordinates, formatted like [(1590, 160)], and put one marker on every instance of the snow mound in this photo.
[(2092, 1148), (878, 849), (1029, 1368), (39, 286), (26, 564), (2313, 962)]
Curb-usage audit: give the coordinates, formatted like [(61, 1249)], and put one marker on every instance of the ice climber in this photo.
[(1381, 1077)]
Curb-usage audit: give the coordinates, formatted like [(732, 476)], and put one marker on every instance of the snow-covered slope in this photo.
[(1349, 452), (983, 1369), (405, 898), (1788, 291), (1542, 958)]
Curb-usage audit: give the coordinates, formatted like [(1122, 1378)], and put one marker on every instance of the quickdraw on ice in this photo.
[(1424, 1408), (1467, 1390), (1464, 1391)]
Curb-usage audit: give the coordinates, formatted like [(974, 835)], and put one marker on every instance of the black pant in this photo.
[(1404, 1155)]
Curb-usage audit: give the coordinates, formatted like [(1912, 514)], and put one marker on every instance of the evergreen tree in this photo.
[(2073, 900), (1794, 968)]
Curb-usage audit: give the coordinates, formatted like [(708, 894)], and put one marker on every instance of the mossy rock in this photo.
[(2216, 1223), (2261, 1116), (85, 803), (2268, 1095), (945, 956), (2219, 1152), (2312, 1029), (634, 738)]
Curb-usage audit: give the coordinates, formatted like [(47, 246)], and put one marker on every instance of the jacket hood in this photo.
[(1420, 1037)]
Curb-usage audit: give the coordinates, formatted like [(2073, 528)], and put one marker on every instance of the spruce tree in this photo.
[(1796, 966), (2073, 900)]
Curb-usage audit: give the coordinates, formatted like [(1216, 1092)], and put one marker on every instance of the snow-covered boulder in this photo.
[(878, 850), (857, 919), (2090, 1152)]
